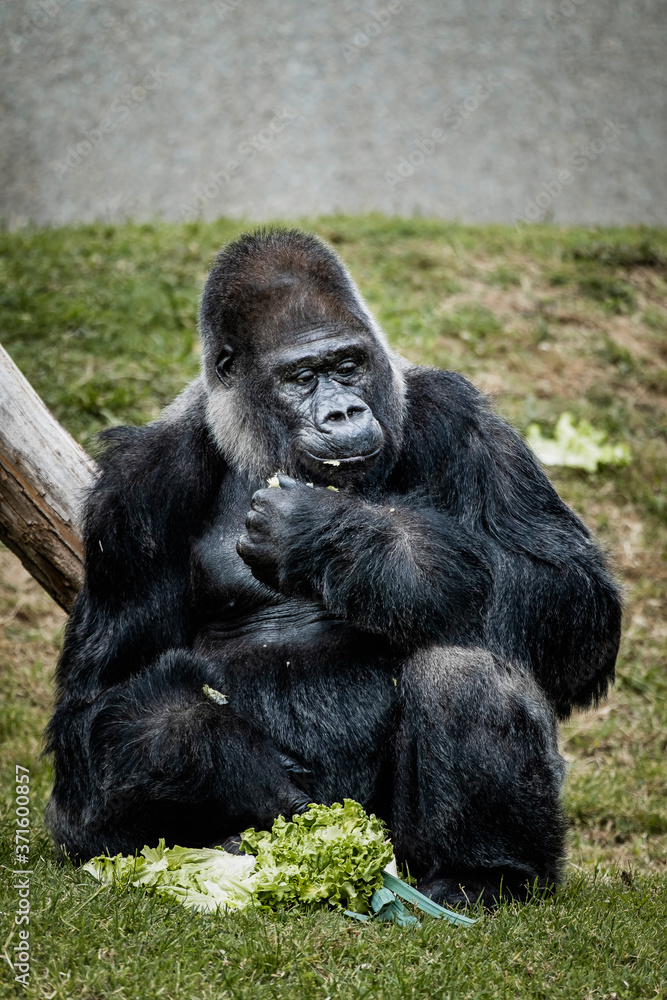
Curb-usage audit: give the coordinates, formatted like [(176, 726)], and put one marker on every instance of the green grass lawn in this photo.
[(102, 321)]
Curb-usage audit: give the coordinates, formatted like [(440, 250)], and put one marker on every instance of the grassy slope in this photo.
[(102, 322)]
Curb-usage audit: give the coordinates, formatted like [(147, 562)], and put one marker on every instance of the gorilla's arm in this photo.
[(472, 544), (398, 567), (134, 602), (148, 503), (553, 605)]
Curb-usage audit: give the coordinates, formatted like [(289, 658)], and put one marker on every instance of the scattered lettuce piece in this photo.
[(577, 447), (412, 895), (217, 696), (201, 878), (388, 908), (330, 854)]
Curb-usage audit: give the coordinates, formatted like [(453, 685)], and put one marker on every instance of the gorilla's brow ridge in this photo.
[(287, 359)]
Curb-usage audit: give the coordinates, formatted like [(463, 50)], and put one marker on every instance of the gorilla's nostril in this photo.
[(339, 416)]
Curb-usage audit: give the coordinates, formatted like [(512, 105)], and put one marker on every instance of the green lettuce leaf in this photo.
[(576, 446), (330, 854)]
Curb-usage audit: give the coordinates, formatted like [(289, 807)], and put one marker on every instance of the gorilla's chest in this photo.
[(230, 604), (222, 582)]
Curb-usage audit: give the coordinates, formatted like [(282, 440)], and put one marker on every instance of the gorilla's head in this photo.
[(298, 375)]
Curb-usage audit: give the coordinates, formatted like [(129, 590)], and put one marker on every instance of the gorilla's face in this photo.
[(319, 404), (322, 384), (298, 376)]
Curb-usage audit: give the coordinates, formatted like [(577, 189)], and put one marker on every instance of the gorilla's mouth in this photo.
[(334, 461)]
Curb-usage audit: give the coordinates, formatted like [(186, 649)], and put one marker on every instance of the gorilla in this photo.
[(400, 622)]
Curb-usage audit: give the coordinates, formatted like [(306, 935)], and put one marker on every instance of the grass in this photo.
[(102, 321)]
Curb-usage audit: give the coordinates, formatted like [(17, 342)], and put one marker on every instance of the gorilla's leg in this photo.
[(476, 809), (158, 758), (333, 707)]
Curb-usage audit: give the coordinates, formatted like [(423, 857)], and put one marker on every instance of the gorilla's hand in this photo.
[(275, 526), (286, 792), (267, 783)]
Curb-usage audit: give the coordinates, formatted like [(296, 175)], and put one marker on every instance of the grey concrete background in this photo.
[(278, 108)]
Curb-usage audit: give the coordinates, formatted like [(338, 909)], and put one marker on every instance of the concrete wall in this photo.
[(485, 110)]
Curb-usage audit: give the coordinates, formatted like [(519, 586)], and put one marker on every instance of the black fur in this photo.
[(406, 640)]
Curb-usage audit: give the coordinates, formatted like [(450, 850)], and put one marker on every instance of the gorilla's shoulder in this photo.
[(445, 417), (433, 391), (168, 468)]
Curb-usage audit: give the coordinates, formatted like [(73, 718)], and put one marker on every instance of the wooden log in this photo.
[(44, 475)]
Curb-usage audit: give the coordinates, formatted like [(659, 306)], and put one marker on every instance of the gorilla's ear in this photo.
[(224, 363)]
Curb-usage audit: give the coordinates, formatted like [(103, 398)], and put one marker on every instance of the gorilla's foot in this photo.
[(490, 888)]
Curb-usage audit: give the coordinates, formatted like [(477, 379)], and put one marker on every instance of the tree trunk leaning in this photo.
[(44, 475)]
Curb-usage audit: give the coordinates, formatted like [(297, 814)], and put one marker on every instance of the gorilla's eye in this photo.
[(305, 376), (346, 368)]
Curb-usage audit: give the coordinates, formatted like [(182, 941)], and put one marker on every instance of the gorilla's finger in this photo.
[(232, 845), (255, 553), (299, 804), (261, 497), (290, 764), (286, 482), (255, 521), (300, 776), (243, 547)]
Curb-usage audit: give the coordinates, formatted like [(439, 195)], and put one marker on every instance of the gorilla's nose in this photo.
[(348, 427), (354, 411)]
